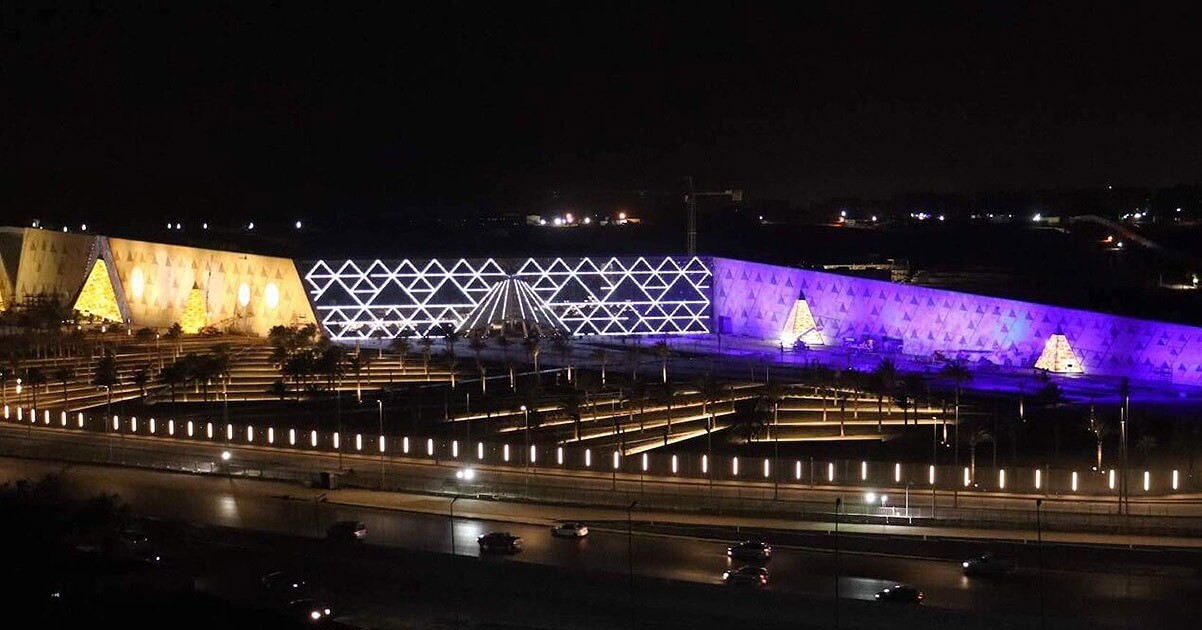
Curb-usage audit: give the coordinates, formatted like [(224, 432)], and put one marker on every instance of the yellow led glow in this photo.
[(97, 297), (137, 283), (243, 294), (1058, 356), (272, 295), (193, 318), (801, 325)]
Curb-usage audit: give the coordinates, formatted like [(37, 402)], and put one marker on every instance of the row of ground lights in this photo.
[(153, 428)]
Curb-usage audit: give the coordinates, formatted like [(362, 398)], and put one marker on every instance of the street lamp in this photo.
[(457, 581), (526, 452), (380, 437)]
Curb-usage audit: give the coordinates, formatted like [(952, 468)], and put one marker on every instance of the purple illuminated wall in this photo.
[(754, 300)]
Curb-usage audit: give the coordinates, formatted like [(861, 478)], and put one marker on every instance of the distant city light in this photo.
[(568, 217), (542, 221), (874, 218), (251, 226), (298, 225), (1119, 244), (179, 226), (168, 225), (843, 213), (558, 221), (587, 220), (622, 216), (64, 228), (83, 228), (204, 226), (941, 217), (1037, 218)]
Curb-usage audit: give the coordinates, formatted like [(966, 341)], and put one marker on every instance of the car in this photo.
[(310, 611), (750, 550), (988, 564), (499, 542), (570, 529), (281, 586), (900, 593), (754, 576), (347, 530)]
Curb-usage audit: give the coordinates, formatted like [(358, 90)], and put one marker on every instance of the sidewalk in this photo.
[(539, 514)]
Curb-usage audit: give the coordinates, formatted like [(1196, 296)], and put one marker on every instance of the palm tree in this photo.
[(172, 375), (106, 376), (175, 333), (427, 345), (451, 339), (1100, 430), (957, 371), (35, 377), (402, 347), (533, 348), (666, 395), (279, 388), (662, 349), (884, 382), (571, 406), (141, 377), (979, 436), (601, 356), (62, 374), (355, 363), (632, 356), (476, 343)]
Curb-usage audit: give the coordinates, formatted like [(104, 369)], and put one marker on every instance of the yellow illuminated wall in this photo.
[(1058, 356), (228, 290), (51, 263), (193, 318), (97, 297)]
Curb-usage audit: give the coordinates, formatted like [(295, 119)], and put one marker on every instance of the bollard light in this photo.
[(1147, 481), (967, 480), (152, 426), (644, 462), (116, 423), (358, 441), (382, 444), (705, 464), (171, 427), (505, 453), (63, 418), (271, 435), (797, 469), (430, 447), (863, 471), (1174, 479), (588, 457), (291, 437), (133, 424), (81, 419), (405, 445), (931, 475), (533, 454), (455, 448), (250, 434), (229, 432), (1001, 479), (673, 464), (479, 450), (734, 466), (313, 439), (1074, 482), (1038, 479), (830, 472), (191, 428), (559, 455), (616, 460), (897, 473), (1111, 481)]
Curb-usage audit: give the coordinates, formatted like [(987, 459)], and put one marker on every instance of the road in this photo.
[(1095, 599)]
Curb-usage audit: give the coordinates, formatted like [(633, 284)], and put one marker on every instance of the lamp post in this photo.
[(838, 504), (380, 437), (453, 559), (526, 451)]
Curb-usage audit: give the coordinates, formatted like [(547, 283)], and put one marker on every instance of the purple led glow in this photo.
[(754, 300)]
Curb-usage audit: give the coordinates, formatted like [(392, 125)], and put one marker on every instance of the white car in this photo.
[(570, 530)]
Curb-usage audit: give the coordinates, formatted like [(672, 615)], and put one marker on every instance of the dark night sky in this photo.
[(289, 111)]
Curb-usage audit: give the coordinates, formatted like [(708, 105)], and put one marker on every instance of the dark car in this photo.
[(499, 542), (347, 530), (900, 593), (988, 564), (753, 576), (280, 586), (750, 550), (310, 611)]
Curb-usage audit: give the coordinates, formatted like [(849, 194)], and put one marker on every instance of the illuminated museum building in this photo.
[(155, 285)]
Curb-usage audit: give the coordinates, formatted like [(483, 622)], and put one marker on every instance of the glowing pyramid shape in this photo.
[(1059, 357), (801, 325), (193, 318), (512, 308), (97, 297)]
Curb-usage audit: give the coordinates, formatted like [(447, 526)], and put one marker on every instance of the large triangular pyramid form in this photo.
[(97, 298), (1058, 356), (194, 317), (800, 325), (512, 308)]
